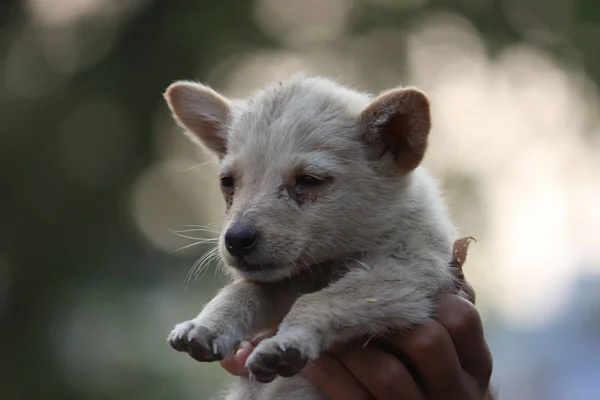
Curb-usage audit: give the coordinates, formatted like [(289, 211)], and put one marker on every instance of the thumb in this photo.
[(235, 364)]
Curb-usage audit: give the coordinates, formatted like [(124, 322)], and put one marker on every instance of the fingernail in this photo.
[(243, 347), (260, 337)]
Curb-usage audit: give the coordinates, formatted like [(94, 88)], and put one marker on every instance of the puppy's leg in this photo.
[(239, 309), (360, 303)]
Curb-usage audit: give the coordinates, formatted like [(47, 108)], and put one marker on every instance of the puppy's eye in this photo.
[(308, 181), (226, 182)]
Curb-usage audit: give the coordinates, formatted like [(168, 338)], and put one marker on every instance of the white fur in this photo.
[(367, 253)]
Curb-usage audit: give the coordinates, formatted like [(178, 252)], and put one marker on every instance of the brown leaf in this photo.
[(460, 251), (459, 256)]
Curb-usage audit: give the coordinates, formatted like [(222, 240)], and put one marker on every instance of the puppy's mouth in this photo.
[(255, 267), (262, 272)]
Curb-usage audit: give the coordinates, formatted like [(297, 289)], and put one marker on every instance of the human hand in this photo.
[(443, 359)]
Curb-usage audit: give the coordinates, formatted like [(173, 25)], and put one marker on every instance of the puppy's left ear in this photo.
[(397, 123), (202, 112)]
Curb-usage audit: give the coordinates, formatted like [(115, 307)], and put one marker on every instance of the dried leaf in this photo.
[(460, 251), (459, 256)]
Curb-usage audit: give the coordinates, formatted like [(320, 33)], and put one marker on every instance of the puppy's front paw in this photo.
[(200, 342), (272, 357)]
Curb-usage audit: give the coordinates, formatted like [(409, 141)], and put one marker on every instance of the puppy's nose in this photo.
[(240, 240)]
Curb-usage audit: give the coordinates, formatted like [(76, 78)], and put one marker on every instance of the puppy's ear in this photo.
[(397, 123), (202, 112)]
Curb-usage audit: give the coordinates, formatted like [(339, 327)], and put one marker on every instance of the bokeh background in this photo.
[(95, 177)]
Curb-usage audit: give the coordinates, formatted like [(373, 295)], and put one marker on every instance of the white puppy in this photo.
[(333, 229)]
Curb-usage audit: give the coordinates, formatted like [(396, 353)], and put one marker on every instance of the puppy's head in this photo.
[(310, 171)]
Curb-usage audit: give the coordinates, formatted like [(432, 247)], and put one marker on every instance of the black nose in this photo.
[(240, 240)]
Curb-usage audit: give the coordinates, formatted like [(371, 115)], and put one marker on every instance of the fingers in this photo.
[(261, 336), (451, 359), (329, 375), (236, 363), (431, 350), (383, 374), (463, 323), (467, 288)]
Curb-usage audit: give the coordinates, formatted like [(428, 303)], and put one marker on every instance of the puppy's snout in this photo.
[(240, 240)]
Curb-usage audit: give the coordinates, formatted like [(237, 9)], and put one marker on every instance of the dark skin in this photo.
[(446, 358)]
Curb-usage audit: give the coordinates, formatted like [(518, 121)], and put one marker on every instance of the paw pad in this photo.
[(269, 360), (200, 342)]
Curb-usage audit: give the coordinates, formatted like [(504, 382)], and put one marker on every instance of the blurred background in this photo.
[(95, 177)]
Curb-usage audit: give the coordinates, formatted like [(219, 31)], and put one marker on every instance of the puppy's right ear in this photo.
[(397, 122), (202, 112)]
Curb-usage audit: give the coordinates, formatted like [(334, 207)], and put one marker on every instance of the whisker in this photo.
[(201, 271), (201, 226), (191, 237), (193, 244), (198, 230), (197, 166), (200, 264), (316, 263)]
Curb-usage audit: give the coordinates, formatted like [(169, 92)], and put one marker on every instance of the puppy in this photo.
[(334, 231)]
